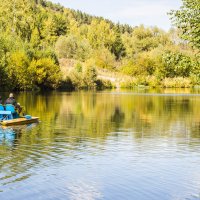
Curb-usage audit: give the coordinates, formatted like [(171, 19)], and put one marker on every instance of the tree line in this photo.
[(44, 45)]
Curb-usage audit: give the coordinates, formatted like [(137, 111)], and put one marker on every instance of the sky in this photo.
[(132, 12)]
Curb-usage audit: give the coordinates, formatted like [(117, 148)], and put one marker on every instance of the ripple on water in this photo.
[(104, 146)]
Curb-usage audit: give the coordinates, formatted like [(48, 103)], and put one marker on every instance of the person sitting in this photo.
[(11, 100)]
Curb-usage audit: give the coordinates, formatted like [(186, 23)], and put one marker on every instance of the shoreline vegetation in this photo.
[(46, 46)]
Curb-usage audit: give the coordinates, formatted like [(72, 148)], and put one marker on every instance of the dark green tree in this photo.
[(118, 48)]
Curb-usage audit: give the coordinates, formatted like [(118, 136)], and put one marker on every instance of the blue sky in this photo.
[(133, 12)]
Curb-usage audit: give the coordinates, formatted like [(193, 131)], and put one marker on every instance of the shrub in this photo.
[(18, 71), (153, 81), (66, 47), (195, 74), (129, 83), (177, 64), (103, 84), (178, 82), (73, 47), (76, 78), (90, 77), (45, 73), (104, 59)]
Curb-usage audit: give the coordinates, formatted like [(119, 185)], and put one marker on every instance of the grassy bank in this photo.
[(90, 78)]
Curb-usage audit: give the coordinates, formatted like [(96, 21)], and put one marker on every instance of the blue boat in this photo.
[(9, 117)]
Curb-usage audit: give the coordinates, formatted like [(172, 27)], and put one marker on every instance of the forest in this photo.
[(47, 46)]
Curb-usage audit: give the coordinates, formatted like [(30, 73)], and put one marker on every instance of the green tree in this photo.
[(18, 71), (90, 77), (118, 48), (36, 34), (100, 34), (72, 47), (66, 47), (104, 59), (4, 49), (45, 73), (177, 64), (187, 18), (55, 26)]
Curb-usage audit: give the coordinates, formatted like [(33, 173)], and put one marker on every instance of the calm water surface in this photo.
[(112, 145)]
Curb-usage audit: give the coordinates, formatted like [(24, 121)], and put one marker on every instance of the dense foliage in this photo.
[(188, 20), (44, 45)]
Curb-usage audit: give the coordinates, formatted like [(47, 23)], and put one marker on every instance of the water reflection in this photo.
[(84, 191), (8, 136), (11, 135), (104, 145), (75, 110)]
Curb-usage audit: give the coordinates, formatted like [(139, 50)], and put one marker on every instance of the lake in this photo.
[(112, 145)]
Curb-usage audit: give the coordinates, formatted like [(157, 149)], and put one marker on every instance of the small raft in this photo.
[(19, 121)]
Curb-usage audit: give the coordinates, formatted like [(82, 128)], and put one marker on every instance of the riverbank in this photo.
[(104, 79), (79, 75), (108, 82)]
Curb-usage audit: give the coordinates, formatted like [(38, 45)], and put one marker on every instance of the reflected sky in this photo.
[(104, 145)]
